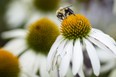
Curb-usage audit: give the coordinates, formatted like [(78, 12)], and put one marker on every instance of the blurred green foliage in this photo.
[(3, 25)]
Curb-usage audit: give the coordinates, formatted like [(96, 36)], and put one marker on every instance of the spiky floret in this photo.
[(9, 64), (75, 26), (42, 35)]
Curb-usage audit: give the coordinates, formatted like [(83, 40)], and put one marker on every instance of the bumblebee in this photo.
[(63, 12)]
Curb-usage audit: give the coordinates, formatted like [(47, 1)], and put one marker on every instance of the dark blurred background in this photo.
[(3, 24)]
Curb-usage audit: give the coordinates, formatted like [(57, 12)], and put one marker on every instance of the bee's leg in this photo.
[(74, 14), (60, 20)]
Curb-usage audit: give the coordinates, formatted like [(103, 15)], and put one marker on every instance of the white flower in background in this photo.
[(109, 62), (16, 14), (10, 66), (32, 46), (21, 12), (76, 36), (107, 59)]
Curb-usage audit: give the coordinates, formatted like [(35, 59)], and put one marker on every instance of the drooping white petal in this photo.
[(53, 51), (61, 47), (102, 42), (93, 57), (65, 50), (54, 73), (16, 46), (59, 51), (66, 58), (69, 73), (103, 35), (81, 73), (77, 60), (17, 33), (100, 45)]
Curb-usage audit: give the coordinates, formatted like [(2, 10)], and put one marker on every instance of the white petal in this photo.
[(62, 46), (81, 73), (103, 43), (27, 61), (20, 33), (69, 73), (64, 52), (17, 13), (54, 73), (52, 52), (16, 46), (39, 57), (43, 68), (59, 51), (27, 74), (66, 58), (93, 57), (103, 35), (77, 60)]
